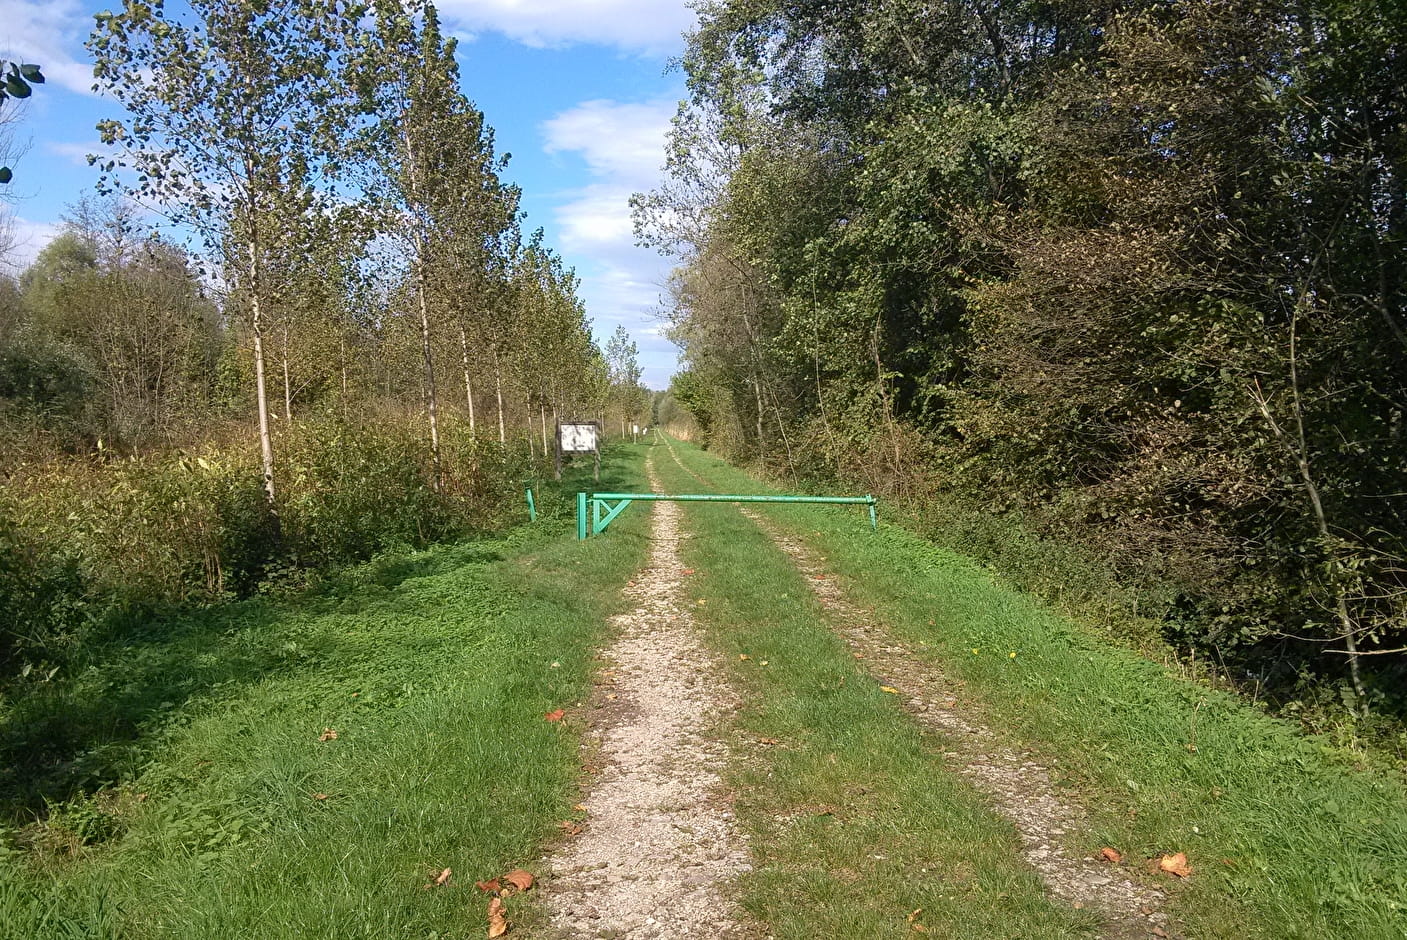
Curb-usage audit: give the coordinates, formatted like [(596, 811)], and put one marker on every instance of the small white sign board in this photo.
[(577, 438)]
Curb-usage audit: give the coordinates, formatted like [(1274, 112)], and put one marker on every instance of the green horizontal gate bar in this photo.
[(602, 512)]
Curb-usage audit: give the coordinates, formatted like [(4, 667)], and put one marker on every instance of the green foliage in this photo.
[(1131, 278), (89, 546)]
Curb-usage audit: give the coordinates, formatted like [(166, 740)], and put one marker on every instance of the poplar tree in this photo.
[(237, 117), (435, 174)]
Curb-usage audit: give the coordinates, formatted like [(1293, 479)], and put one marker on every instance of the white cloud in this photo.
[(615, 139), (26, 239), (47, 33), (622, 145), (652, 26)]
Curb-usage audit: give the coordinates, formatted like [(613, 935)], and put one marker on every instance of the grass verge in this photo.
[(221, 808), (854, 819), (1287, 836)]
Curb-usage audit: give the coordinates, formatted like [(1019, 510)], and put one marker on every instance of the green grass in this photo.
[(1287, 836), (854, 819), (180, 769)]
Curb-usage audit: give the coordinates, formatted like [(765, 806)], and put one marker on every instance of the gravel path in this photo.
[(660, 848)]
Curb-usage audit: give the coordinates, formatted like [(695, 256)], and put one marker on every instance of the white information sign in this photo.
[(578, 438)]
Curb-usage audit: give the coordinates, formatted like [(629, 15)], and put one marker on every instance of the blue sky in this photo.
[(577, 91)]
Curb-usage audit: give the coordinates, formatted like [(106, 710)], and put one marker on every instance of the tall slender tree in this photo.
[(237, 117)]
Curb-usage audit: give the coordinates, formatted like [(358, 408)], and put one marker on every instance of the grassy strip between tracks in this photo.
[(1287, 836), (854, 822), (237, 815)]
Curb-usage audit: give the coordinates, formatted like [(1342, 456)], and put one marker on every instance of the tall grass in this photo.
[(87, 543)]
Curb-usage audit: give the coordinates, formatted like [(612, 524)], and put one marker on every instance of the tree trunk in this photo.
[(431, 401), (542, 415), (342, 346), (498, 390), (266, 443), (532, 448), (287, 387), (468, 386), (1298, 449)]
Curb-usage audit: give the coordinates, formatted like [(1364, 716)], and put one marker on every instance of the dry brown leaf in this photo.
[(319, 796), (522, 880), (442, 878), (890, 689), (327, 735), (580, 807), (743, 657), (557, 715), (498, 924), (1111, 855), (492, 886), (1175, 865), (571, 827), (768, 741), (914, 915)]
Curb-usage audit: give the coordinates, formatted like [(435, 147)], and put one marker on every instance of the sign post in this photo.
[(578, 437)]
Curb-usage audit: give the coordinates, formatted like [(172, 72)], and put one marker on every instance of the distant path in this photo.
[(660, 845)]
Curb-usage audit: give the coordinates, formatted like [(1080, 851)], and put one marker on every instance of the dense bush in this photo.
[(88, 543)]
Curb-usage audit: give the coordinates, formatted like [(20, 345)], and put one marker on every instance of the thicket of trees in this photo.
[(1133, 272), (356, 286)]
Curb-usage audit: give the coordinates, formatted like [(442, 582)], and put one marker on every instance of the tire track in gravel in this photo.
[(661, 846), (1016, 786)]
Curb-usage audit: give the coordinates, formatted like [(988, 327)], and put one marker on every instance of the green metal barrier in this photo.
[(603, 512)]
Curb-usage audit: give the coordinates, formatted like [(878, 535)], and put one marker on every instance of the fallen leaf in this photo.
[(1111, 855), (914, 916), (743, 657), (890, 689), (768, 741), (858, 655), (571, 827), (557, 715), (498, 924), (327, 735), (820, 577), (762, 662), (319, 796), (687, 571), (1159, 932), (492, 887), (443, 877), (1175, 865), (580, 807), (522, 880)]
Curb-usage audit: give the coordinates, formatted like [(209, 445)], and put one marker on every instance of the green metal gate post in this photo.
[(581, 516)]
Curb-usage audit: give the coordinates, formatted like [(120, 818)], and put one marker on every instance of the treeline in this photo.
[(1130, 274), (345, 271)]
